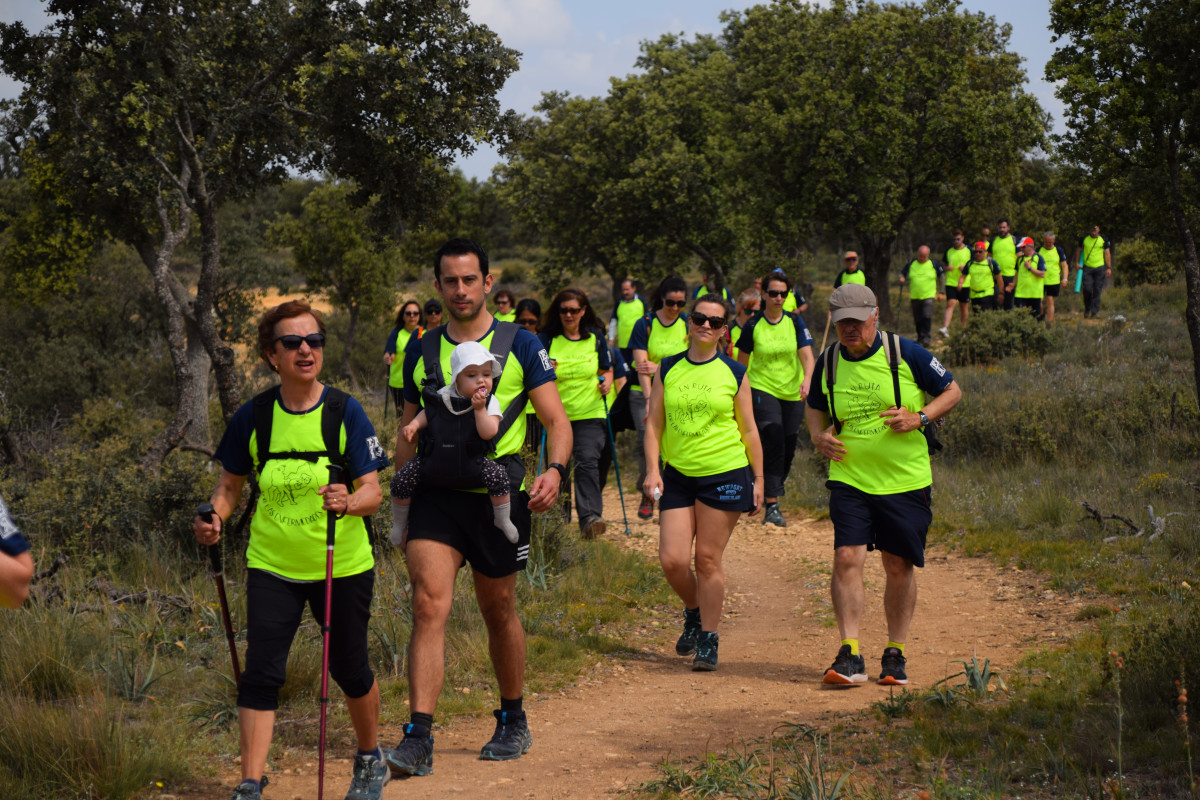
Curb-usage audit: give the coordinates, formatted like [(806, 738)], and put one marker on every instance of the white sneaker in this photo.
[(944, 331)]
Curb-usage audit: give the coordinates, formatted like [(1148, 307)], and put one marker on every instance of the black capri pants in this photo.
[(778, 423), (273, 609)]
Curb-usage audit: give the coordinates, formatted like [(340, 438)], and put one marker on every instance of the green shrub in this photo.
[(995, 335), (1139, 261)]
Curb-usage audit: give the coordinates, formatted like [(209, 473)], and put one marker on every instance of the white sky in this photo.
[(577, 45)]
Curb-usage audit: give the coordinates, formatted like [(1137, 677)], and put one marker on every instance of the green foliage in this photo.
[(1139, 261), (995, 335)]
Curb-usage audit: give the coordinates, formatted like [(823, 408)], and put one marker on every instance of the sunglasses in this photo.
[(750, 310), (716, 323), (528, 320), (776, 292), (412, 313), (315, 341), (958, 238), (569, 309), (675, 303), (501, 301), (852, 258)]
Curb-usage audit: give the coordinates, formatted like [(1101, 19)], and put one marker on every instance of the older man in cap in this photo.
[(866, 414)]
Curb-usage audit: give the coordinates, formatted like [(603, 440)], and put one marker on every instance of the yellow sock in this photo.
[(898, 645), (853, 645)]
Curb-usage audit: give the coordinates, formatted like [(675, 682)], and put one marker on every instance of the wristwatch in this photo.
[(924, 417), (562, 471)]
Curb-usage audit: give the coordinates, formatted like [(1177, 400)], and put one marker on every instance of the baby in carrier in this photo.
[(456, 428)]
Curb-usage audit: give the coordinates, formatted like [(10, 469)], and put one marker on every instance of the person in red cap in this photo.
[(868, 421), (1031, 279)]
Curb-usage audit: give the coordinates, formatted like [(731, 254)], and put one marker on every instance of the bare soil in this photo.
[(614, 724)]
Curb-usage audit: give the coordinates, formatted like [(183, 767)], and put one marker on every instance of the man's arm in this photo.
[(548, 405), (820, 430)]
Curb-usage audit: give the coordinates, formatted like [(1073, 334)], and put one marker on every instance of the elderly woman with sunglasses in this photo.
[(579, 351), (702, 422), (780, 372), (661, 333), (286, 553)]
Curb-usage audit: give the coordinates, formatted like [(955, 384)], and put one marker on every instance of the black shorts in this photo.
[(727, 491), (1051, 289), (984, 303), (464, 520), (963, 295), (894, 523), (274, 607)]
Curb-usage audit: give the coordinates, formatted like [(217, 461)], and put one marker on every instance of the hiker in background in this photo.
[(506, 306), (1003, 250), (927, 282), (956, 256), (1031, 279), (408, 324), (980, 280), (1094, 255), (529, 317), (433, 315), (851, 273), (628, 310), (707, 286), (1057, 272), (748, 304)]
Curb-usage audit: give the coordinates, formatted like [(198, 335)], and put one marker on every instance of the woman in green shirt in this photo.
[(408, 323), (579, 352), (702, 421)]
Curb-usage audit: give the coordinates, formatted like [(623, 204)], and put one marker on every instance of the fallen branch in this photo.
[(59, 562), (1099, 518)]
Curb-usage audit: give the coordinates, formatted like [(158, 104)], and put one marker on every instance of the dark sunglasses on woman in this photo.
[(315, 341), (699, 320)]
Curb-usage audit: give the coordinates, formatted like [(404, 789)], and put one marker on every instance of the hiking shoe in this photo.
[(944, 331), (847, 669), (773, 515), (646, 509), (706, 653), (371, 774), (893, 668), (248, 791), (512, 738), (691, 632), (592, 529), (413, 756)]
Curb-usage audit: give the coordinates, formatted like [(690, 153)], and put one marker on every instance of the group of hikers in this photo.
[(716, 393)]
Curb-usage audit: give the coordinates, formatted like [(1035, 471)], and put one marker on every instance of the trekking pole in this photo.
[(612, 441), (828, 319), (205, 512), (387, 392), (541, 451), (335, 477)]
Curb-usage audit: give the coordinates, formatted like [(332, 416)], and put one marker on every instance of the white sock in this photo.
[(503, 522), (399, 523)]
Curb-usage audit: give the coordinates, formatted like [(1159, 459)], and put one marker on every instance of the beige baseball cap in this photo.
[(852, 301)]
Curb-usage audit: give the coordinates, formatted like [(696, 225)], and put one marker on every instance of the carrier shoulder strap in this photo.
[(333, 412), (831, 360)]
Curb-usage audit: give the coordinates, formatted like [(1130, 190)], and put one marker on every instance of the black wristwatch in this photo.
[(924, 417), (562, 471)]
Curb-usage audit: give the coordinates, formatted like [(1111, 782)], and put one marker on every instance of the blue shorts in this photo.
[(894, 523), (727, 491)]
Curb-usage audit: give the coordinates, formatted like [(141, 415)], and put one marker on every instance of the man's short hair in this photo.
[(459, 247)]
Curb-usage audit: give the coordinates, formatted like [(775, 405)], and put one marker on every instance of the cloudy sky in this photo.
[(577, 45)]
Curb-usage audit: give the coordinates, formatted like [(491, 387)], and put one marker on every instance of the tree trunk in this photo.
[(714, 267), (1191, 267), (876, 262), (191, 387), (221, 354)]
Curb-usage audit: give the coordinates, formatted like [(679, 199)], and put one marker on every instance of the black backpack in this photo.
[(891, 349), (333, 412), (450, 447)]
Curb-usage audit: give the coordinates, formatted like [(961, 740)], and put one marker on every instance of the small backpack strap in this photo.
[(431, 357), (831, 360), (502, 342), (264, 412), (333, 412), (891, 348)]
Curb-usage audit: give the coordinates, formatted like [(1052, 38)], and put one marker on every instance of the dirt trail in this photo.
[(777, 639)]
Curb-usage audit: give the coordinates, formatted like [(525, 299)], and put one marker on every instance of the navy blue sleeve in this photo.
[(363, 450), (1041, 262), (745, 342), (803, 337), (234, 450), (412, 357), (532, 357), (602, 352), (816, 395), (739, 372), (937, 267), (800, 301), (1107, 243), (931, 376), (12, 543), (946, 257), (838, 280), (544, 338), (639, 337), (665, 366), (390, 345), (619, 367), (1061, 255), (904, 269), (995, 267)]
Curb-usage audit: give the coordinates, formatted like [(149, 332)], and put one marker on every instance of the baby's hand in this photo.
[(479, 399), (409, 431)]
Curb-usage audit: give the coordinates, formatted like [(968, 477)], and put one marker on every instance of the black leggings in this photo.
[(273, 609), (778, 423)]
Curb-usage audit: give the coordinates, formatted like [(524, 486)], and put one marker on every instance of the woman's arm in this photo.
[(743, 412), (655, 420), (809, 363), (367, 495), (224, 500), (645, 370)]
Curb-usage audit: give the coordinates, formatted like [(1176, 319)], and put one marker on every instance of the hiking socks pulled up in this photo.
[(502, 514)]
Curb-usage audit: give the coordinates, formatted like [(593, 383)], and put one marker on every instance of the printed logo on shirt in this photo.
[(692, 414), (937, 367), (375, 448), (545, 357), (287, 493), (866, 403), (8, 528)]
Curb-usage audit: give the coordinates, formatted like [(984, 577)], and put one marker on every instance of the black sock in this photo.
[(511, 705), (691, 614), (419, 725)]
